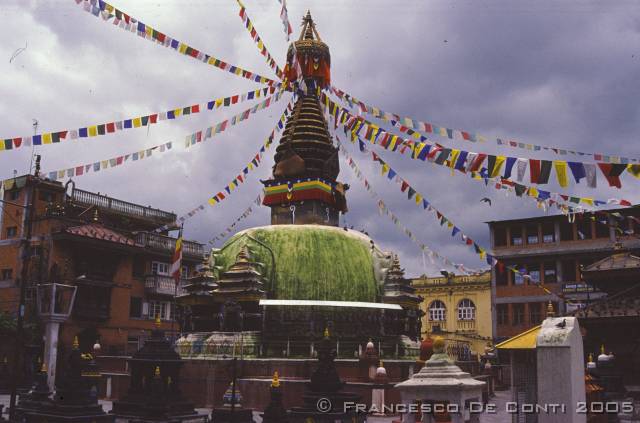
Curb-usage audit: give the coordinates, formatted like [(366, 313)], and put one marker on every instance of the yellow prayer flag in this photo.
[(212, 201), (588, 201), (634, 169), (211, 60), (385, 168), (250, 166), (533, 192), (498, 166), (238, 71), (137, 122), (561, 172), (177, 112), (148, 31), (232, 186), (260, 44), (416, 135), (93, 131), (61, 174), (418, 199), (182, 48), (46, 138), (104, 164), (483, 254), (219, 102), (453, 158), (449, 224)]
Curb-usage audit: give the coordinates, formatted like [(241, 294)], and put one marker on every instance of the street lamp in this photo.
[(55, 302)]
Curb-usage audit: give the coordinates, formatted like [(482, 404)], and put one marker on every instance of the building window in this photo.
[(501, 275), (184, 272), (532, 234), (550, 275), (534, 273), (518, 314), (584, 228), (159, 268), (437, 311), (602, 228), (133, 344), (157, 309), (46, 196), (12, 231), (516, 236), (535, 315), (569, 271), (518, 277), (502, 314), (135, 307), (566, 231), (499, 237), (466, 310), (548, 233), (14, 195), (6, 274)]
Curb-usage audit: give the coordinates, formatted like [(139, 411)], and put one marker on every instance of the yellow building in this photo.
[(457, 306)]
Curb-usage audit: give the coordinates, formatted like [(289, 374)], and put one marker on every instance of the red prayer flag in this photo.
[(534, 169), (153, 118), (111, 127), (195, 108), (79, 170)]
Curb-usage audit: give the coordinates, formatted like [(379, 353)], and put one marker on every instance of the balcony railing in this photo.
[(436, 326), (162, 285), (167, 244), (121, 207), (466, 325)]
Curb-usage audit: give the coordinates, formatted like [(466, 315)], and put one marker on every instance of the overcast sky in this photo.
[(552, 73)]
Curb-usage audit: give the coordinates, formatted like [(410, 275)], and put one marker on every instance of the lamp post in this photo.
[(55, 302)]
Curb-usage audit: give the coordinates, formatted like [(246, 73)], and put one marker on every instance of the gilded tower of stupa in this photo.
[(304, 188)]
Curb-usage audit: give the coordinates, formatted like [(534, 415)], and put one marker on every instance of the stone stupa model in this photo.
[(324, 398)]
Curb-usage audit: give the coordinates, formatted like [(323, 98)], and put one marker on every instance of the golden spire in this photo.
[(602, 349), (76, 344), (326, 332), (43, 368), (381, 364), (169, 380), (550, 310), (590, 358), (157, 322), (275, 382), (156, 373)]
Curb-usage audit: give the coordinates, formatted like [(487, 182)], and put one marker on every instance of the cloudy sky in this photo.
[(558, 74)]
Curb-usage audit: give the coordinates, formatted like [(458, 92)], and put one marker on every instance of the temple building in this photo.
[(458, 309), (282, 284)]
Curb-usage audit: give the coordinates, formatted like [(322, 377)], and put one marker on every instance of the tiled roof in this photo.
[(623, 304), (95, 231)]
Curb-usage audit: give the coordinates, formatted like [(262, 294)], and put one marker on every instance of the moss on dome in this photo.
[(312, 262)]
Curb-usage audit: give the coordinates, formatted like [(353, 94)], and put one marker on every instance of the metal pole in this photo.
[(24, 274), (233, 390)]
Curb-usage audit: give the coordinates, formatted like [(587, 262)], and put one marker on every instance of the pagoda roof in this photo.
[(618, 261)]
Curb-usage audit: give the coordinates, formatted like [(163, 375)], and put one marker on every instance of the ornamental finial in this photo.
[(326, 332), (76, 343), (550, 311), (157, 322), (275, 382), (156, 373)]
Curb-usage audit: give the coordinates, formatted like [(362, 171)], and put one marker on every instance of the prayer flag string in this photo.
[(132, 123), (284, 16), (246, 213), (253, 164), (122, 20), (258, 41), (414, 127), (134, 156), (467, 161), (385, 210)]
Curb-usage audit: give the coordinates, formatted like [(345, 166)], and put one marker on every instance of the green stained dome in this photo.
[(312, 262)]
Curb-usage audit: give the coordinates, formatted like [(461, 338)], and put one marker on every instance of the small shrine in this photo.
[(197, 299), (324, 400), (232, 410), (275, 411), (398, 290), (239, 292), (154, 394), (75, 399), (443, 386), (38, 396)]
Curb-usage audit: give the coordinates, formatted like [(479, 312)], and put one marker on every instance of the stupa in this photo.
[(280, 284), (154, 394)]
